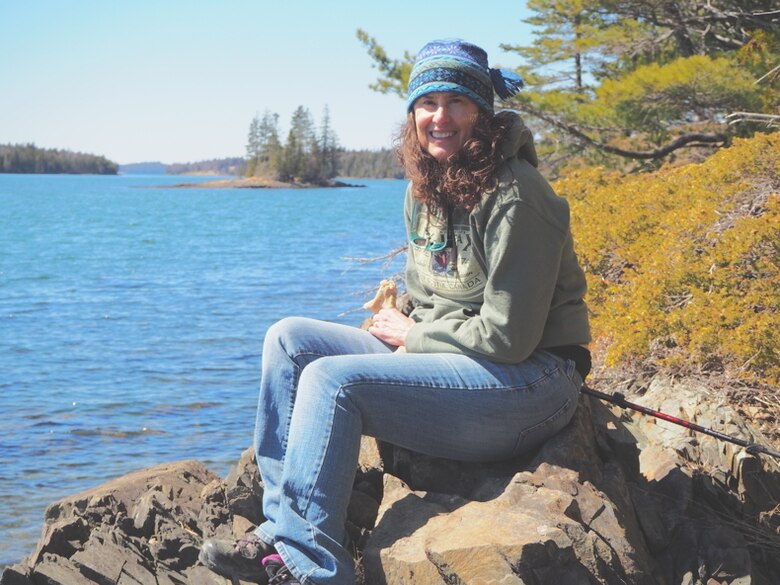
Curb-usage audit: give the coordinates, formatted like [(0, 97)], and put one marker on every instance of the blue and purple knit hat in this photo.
[(458, 66)]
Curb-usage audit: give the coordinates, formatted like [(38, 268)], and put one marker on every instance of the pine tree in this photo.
[(299, 146), (253, 148), (329, 148), (270, 147)]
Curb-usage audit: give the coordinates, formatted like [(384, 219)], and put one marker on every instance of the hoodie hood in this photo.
[(520, 142)]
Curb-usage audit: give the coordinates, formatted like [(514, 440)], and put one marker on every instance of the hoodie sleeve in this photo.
[(523, 251)]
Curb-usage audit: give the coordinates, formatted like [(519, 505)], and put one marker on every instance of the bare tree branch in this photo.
[(771, 120), (686, 140)]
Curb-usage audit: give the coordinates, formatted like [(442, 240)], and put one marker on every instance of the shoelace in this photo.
[(282, 576)]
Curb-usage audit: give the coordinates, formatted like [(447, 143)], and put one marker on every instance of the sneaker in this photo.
[(278, 573), (236, 559)]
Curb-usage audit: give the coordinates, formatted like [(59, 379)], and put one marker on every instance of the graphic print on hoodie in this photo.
[(453, 271)]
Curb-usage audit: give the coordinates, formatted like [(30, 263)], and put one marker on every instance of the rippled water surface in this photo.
[(132, 316)]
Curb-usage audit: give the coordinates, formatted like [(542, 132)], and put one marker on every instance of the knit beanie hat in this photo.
[(458, 66)]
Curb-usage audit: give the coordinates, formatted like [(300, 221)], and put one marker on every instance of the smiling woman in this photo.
[(486, 366)]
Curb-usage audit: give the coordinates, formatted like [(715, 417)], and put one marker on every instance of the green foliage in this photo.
[(328, 147), (760, 57), (631, 75), (28, 158), (394, 76), (307, 156), (253, 148), (682, 264), (655, 97), (575, 43), (263, 149)]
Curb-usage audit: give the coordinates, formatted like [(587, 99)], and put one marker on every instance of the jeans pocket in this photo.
[(536, 434)]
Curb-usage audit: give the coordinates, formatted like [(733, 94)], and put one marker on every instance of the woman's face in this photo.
[(444, 122)]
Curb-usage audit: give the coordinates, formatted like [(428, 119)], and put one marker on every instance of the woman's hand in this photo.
[(391, 326)]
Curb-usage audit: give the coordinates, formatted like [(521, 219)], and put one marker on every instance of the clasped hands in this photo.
[(392, 327)]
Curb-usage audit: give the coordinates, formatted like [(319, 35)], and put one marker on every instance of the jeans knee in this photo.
[(324, 380), (284, 333)]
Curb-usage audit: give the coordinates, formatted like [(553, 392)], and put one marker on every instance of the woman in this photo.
[(486, 366)]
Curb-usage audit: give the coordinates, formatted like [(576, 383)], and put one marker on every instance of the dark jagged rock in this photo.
[(615, 498), (142, 528)]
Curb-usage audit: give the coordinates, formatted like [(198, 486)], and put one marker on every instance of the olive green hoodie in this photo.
[(511, 283)]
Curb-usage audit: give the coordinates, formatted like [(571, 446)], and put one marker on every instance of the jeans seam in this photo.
[(296, 377), (297, 369), (321, 458), (548, 373), (309, 493)]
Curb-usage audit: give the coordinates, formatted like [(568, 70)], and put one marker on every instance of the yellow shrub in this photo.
[(683, 263)]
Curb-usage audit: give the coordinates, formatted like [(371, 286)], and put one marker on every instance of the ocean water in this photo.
[(132, 316)]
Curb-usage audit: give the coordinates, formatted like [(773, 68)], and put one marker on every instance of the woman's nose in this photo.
[(440, 114)]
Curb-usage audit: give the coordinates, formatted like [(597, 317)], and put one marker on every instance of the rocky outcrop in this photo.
[(613, 499), (141, 528)]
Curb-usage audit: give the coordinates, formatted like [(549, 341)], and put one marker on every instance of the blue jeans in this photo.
[(324, 385)]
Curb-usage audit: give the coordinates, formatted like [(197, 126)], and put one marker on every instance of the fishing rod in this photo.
[(620, 400)]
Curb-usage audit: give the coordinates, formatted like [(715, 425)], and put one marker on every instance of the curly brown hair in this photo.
[(464, 178)]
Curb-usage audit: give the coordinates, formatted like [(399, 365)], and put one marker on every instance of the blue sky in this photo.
[(180, 81)]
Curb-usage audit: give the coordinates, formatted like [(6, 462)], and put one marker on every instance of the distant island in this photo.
[(144, 168), (28, 158), (366, 164), (232, 166)]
